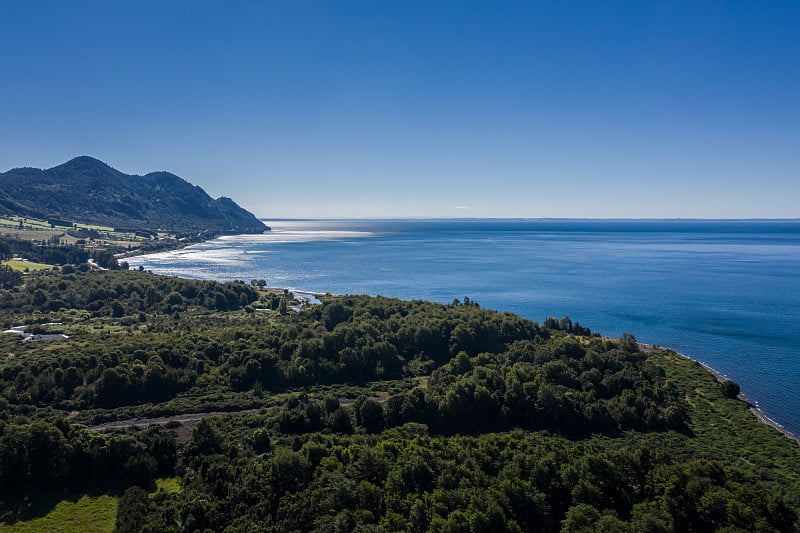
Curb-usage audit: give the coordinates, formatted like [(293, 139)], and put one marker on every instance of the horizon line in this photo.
[(606, 219)]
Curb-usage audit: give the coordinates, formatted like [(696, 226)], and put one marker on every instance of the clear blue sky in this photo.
[(386, 108)]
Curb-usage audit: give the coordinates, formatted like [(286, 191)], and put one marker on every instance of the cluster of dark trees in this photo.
[(563, 385), (487, 370), (9, 278), (602, 389), (120, 295), (120, 369), (55, 254), (235, 478), (565, 324), (40, 455)]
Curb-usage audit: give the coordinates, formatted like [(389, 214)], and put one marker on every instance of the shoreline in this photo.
[(759, 415), (181, 243)]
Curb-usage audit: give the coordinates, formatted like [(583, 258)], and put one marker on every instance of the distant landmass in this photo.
[(89, 191)]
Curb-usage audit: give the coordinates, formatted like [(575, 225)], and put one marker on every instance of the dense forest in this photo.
[(365, 414)]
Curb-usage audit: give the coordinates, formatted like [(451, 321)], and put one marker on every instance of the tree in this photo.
[(112, 387), (9, 278), (205, 438), (134, 507), (47, 453), (261, 441), (174, 298), (730, 389), (369, 414), (335, 314), (161, 446), (341, 422), (461, 363), (117, 310), (39, 298), (628, 341), (580, 517), (152, 296), (551, 323)]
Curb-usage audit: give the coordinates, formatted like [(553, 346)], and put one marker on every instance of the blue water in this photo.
[(726, 293)]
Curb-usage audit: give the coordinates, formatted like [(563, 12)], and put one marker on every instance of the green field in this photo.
[(26, 223), (87, 513), (36, 223), (80, 513), (37, 226), (20, 264), (108, 229), (170, 485)]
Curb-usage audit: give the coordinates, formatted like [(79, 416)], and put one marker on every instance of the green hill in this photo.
[(89, 191)]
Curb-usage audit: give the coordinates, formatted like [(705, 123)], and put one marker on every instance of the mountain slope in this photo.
[(87, 190)]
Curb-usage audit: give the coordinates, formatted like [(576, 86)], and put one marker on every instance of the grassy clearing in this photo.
[(170, 485), (33, 229), (26, 222), (75, 512), (29, 234), (20, 264), (108, 229), (88, 513)]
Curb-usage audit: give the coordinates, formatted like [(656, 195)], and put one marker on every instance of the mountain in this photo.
[(89, 191)]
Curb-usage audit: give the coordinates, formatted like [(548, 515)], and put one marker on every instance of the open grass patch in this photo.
[(94, 227), (68, 512), (170, 485), (26, 222), (21, 264), (72, 511)]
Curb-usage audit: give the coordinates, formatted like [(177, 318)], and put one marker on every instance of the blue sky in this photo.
[(365, 109)]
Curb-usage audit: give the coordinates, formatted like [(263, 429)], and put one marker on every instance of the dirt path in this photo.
[(163, 420), (181, 425)]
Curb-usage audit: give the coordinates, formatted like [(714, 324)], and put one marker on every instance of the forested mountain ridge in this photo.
[(89, 191), (377, 415)]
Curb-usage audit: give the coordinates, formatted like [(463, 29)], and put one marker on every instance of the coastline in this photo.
[(178, 244), (755, 410), (307, 294)]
